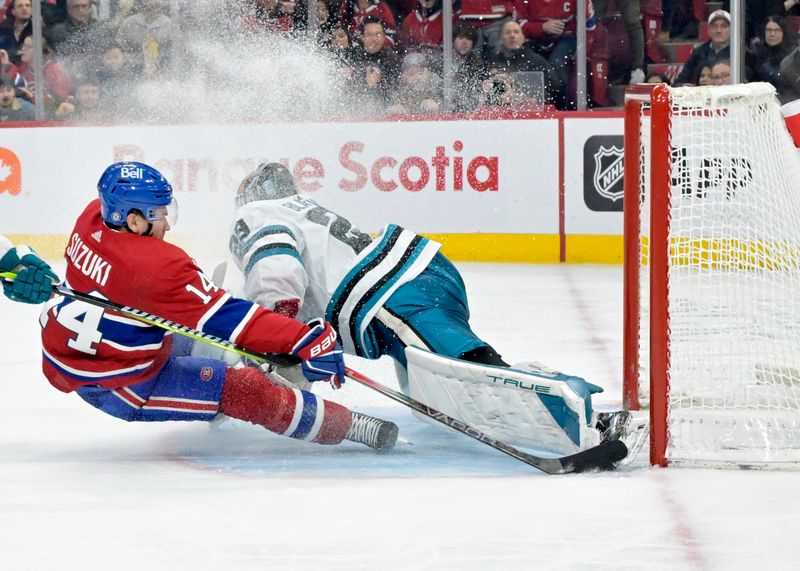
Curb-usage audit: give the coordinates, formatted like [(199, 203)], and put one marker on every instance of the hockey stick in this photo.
[(163, 323), (603, 456)]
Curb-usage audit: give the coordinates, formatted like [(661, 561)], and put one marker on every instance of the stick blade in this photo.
[(605, 456)]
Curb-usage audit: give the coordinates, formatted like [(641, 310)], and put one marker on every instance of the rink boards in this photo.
[(532, 189)]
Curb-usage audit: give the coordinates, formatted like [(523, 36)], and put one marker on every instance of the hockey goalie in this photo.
[(397, 295)]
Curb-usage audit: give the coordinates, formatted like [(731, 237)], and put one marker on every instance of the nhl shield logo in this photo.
[(608, 172), (206, 373)]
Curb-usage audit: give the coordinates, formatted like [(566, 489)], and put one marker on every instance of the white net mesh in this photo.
[(734, 280)]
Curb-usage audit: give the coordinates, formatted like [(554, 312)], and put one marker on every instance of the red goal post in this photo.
[(712, 275)]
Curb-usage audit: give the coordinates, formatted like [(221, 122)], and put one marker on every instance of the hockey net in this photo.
[(712, 275)]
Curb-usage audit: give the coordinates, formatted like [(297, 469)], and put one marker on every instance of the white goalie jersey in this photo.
[(294, 249)]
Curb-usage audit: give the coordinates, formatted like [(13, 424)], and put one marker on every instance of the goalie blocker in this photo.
[(526, 405)]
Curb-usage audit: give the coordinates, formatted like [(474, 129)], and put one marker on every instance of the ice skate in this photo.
[(374, 432), (612, 425), (622, 425)]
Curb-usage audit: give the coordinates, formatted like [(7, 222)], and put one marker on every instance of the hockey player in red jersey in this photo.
[(139, 372)]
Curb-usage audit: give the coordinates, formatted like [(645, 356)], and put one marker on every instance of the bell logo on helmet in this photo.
[(127, 187), (131, 172)]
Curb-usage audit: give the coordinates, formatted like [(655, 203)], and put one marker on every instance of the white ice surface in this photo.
[(81, 490)]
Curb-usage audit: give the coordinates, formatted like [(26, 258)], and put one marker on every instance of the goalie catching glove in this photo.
[(321, 355), (34, 280)]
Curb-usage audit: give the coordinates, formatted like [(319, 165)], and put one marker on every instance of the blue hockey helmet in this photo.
[(127, 186), (267, 182)]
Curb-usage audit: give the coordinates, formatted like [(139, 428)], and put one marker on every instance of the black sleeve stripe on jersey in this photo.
[(378, 285), (389, 243)]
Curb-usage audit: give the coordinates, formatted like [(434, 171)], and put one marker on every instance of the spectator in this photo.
[(325, 22), (764, 59), (86, 105), (340, 45), (57, 82), (721, 72), (80, 39), (679, 19), (419, 89), (631, 15), (5, 7), (516, 55), (658, 78), (551, 27), (147, 36), (710, 52), (488, 17), (468, 69), (274, 16), (758, 13), (353, 13), (423, 26), (376, 62), (17, 27), (117, 77), (12, 108)]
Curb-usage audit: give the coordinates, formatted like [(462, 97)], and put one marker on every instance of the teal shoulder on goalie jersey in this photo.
[(392, 259)]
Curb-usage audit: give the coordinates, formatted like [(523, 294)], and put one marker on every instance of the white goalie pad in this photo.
[(523, 408)]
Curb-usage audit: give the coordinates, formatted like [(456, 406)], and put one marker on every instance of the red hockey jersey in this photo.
[(86, 345), (352, 16), (424, 30), (532, 14)]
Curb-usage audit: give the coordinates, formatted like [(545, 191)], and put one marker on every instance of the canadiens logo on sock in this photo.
[(10, 172), (206, 373)]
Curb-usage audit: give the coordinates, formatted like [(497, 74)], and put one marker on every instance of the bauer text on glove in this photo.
[(321, 355)]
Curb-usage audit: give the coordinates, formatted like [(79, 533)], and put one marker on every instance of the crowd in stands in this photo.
[(390, 52)]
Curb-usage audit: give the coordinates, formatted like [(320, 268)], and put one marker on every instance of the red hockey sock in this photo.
[(248, 394)]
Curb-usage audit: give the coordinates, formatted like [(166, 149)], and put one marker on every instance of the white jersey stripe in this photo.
[(119, 347), (242, 324), (212, 310), (178, 409), (128, 397), (96, 374)]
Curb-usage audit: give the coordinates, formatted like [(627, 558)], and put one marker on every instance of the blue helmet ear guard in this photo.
[(127, 186), (269, 181)]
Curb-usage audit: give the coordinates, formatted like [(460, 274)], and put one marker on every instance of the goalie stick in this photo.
[(603, 456)]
